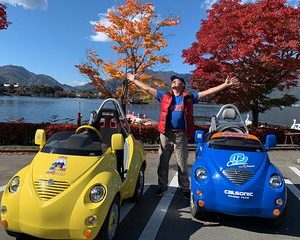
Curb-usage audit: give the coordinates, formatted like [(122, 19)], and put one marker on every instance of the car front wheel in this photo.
[(18, 236), (110, 227), (196, 211), (139, 187)]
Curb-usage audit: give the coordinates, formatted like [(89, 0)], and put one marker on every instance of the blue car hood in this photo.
[(227, 159)]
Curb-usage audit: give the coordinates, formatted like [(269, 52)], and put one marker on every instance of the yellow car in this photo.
[(76, 183)]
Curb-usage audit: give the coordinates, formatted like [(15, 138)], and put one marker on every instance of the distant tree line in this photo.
[(44, 91)]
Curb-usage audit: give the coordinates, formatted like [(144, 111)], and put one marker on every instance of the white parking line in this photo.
[(295, 170), (2, 188), (174, 182), (127, 206), (292, 188), (152, 227)]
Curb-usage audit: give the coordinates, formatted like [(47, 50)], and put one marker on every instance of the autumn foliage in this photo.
[(257, 42), (135, 31), (3, 18)]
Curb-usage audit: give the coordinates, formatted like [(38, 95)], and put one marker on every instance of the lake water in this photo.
[(36, 110)]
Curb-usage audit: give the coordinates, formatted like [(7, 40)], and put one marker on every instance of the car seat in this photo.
[(108, 123), (229, 114), (228, 119)]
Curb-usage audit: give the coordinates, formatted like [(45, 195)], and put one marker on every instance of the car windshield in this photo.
[(67, 142), (236, 143)]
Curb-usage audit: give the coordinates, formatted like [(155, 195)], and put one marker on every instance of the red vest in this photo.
[(187, 108)]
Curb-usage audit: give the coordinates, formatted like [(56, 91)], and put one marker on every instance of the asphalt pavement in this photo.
[(168, 217)]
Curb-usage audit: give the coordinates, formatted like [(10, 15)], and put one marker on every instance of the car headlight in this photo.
[(14, 185), (97, 193), (275, 181), (201, 173)]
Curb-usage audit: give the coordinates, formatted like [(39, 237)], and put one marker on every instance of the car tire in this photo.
[(20, 238), (17, 236), (26, 237), (110, 227), (139, 186), (196, 211)]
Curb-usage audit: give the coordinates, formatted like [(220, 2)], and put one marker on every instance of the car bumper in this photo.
[(39, 224), (239, 202)]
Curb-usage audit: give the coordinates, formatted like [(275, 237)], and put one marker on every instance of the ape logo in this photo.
[(237, 159), (58, 167)]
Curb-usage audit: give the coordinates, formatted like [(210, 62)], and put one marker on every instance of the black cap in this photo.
[(179, 78)]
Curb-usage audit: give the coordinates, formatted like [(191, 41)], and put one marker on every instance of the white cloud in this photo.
[(102, 37), (137, 18), (208, 3), (27, 4), (98, 36)]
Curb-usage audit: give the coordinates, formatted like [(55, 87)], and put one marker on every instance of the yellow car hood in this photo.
[(59, 167)]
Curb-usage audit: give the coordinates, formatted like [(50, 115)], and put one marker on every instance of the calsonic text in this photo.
[(238, 194)]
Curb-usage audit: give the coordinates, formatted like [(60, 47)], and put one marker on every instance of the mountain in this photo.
[(86, 87), (42, 79), (166, 75), (69, 88), (16, 74)]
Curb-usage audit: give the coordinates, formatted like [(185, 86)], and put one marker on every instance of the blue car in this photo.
[(233, 174)]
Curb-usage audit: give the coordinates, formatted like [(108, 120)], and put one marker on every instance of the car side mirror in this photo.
[(40, 137), (199, 136), (271, 141), (117, 142)]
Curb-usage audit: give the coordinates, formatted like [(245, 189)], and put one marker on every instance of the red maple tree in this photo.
[(259, 43), (3, 18)]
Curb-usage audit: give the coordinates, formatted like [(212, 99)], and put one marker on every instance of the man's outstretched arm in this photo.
[(141, 85), (228, 82)]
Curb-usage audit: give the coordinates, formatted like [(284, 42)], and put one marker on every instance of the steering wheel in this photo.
[(88, 127), (230, 128)]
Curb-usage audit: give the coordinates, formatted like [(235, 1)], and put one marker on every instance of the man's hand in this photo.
[(231, 81), (141, 85), (130, 77)]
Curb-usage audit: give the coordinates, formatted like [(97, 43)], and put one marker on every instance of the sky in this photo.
[(51, 36)]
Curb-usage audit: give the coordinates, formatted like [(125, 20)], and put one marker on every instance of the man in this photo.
[(176, 126)]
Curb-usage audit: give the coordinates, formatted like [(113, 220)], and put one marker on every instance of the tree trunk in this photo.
[(255, 114), (123, 105), (124, 95)]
